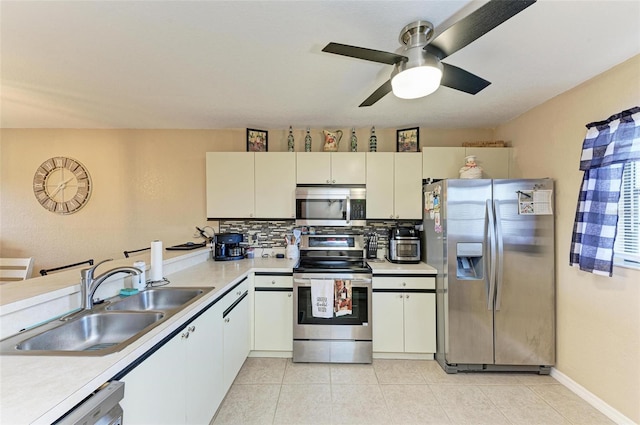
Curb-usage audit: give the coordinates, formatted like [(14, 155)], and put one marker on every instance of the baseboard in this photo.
[(403, 356), (591, 398), (277, 354)]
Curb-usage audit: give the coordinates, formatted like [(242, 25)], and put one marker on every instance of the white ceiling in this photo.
[(234, 64)]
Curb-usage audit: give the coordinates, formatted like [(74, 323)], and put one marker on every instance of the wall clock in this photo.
[(62, 185)]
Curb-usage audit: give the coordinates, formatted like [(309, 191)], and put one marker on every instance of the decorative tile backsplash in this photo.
[(271, 234)]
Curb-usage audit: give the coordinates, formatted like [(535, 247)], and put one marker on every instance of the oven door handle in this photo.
[(354, 282)]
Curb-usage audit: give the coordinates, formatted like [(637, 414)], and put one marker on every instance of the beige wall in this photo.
[(148, 184), (598, 318)]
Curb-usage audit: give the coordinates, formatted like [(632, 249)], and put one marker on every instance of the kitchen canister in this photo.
[(292, 252), (139, 282), (471, 170)]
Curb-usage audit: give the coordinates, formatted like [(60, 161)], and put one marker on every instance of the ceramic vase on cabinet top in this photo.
[(332, 140), (354, 141), (307, 141), (471, 170), (373, 141), (290, 141)]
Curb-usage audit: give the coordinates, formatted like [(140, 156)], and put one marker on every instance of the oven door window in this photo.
[(359, 309), (321, 209)]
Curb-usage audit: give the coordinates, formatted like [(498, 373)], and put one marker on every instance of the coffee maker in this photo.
[(228, 247)]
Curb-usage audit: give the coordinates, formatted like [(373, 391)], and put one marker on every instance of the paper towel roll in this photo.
[(156, 261)]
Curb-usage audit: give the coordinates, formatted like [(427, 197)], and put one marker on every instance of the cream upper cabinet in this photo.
[(394, 185), (275, 184), (380, 185), (348, 168), (408, 186), (230, 185), (313, 167), (330, 168), (445, 162), (442, 162)]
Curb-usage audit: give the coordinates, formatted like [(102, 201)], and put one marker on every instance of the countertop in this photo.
[(386, 267), (40, 389)]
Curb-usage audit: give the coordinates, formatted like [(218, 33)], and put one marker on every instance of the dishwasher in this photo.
[(100, 408)]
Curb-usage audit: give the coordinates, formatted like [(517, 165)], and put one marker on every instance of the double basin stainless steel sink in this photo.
[(106, 328)]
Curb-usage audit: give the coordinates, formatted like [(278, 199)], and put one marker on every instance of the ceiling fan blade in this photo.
[(477, 24), (363, 53), (381, 92), (459, 79)]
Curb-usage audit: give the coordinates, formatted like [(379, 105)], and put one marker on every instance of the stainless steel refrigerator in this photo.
[(492, 242)]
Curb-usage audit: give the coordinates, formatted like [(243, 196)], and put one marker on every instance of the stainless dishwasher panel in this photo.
[(101, 408)]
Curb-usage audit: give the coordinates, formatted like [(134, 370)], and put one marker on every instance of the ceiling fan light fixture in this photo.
[(416, 82)]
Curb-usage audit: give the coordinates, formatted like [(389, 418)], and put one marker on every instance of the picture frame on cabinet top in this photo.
[(257, 140), (408, 140)]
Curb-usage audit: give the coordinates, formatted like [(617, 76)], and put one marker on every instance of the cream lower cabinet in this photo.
[(330, 168), (236, 319), (180, 383), (394, 186), (404, 314), (273, 312)]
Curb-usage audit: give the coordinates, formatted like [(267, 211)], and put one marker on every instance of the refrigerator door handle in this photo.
[(492, 255), (500, 260)]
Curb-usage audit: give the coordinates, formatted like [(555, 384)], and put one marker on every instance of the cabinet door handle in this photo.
[(185, 335), (191, 328), (226, 320), (273, 282), (407, 296), (404, 283), (289, 295), (333, 181), (328, 181), (401, 296), (391, 216)]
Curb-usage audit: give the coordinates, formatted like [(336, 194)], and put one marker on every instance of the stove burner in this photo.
[(332, 266)]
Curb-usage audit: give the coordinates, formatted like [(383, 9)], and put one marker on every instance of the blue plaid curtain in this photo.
[(606, 147)]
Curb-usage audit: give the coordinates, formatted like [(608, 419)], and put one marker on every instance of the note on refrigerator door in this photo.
[(535, 202)]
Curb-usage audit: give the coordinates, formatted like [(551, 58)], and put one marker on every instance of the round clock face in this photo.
[(62, 185)]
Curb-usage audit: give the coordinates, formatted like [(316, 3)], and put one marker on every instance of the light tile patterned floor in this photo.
[(277, 391)]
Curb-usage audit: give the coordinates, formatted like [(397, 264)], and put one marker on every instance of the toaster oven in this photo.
[(404, 245)]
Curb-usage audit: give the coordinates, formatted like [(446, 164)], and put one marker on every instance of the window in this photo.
[(627, 246)]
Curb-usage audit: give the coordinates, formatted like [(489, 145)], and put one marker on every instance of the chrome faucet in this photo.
[(90, 284)]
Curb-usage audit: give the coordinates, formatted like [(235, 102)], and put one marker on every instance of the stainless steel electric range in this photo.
[(332, 301)]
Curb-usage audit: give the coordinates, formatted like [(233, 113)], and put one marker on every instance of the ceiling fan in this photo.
[(419, 72)]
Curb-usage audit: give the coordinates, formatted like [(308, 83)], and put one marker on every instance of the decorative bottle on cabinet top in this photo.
[(354, 141), (290, 141), (373, 141), (307, 141)]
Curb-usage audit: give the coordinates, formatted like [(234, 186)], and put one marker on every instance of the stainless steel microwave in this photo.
[(331, 206)]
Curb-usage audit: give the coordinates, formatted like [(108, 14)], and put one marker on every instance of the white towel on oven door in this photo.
[(322, 298)]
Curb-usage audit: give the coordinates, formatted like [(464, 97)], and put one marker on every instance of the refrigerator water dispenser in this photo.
[(470, 264)]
